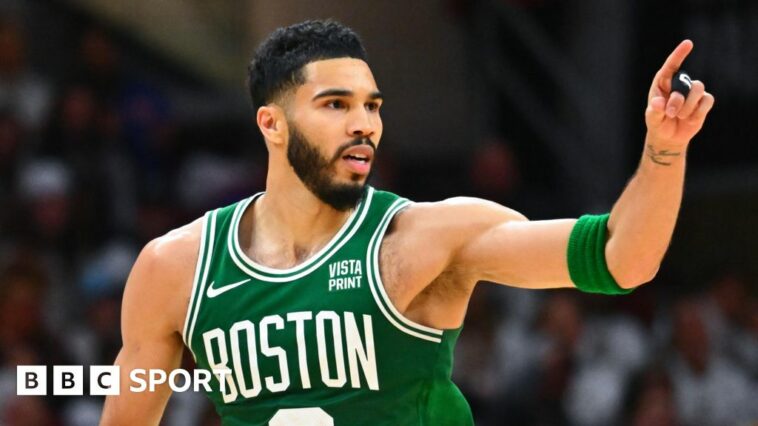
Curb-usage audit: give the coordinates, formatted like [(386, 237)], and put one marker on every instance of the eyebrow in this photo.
[(345, 93)]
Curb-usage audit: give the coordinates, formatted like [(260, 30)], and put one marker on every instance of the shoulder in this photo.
[(174, 250), (454, 215), (160, 282)]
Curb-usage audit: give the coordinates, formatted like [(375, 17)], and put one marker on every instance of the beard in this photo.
[(317, 172)]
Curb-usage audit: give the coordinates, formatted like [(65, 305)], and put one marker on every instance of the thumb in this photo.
[(656, 110)]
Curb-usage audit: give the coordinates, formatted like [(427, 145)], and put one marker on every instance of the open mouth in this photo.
[(357, 157)]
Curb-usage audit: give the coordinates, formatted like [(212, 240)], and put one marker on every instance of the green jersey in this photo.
[(319, 343)]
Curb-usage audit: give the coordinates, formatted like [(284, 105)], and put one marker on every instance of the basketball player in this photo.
[(324, 301)]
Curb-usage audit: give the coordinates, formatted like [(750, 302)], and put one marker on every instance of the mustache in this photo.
[(355, 142)]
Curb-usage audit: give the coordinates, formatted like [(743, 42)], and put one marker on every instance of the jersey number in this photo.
[(301, 417)]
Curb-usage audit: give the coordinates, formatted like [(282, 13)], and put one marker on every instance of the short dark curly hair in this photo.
[(278, 62)]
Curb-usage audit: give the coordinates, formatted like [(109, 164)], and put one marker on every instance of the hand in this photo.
[(672, 121)]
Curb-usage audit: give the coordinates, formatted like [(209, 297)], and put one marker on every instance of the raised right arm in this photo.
[(152, 316)]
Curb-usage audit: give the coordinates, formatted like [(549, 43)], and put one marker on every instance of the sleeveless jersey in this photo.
[(319, 343)]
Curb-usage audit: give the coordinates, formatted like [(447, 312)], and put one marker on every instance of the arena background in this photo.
[(121, 120)]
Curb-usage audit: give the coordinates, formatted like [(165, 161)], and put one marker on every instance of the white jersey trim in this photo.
[(234, 243), (307, 270), (377, 286), (200, 258), (201, 283)]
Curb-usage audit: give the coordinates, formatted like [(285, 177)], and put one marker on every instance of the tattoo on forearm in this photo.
[(659, 157)]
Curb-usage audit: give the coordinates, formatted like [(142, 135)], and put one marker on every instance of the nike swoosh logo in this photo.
[(217, 291)]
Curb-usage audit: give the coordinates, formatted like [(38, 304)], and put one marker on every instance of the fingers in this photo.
[(662, 81), (693, 100), (674, 61), (656, 110), (705, 105), (693, 109), (674, 105), (672, 110)]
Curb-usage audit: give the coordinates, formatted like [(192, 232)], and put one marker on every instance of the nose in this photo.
[(360, 123)]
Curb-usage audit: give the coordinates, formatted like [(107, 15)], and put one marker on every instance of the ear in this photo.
[(271, 121)]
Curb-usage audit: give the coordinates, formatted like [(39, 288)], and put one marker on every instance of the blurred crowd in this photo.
[(94, 163), (562, 358), (91, 168)]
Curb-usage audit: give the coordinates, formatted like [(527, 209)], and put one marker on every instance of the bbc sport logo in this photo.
[(68, 380)]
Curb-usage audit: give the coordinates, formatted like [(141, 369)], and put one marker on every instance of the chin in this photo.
[(349, 178)]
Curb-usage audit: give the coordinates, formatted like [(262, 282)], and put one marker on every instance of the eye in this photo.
[(373, 106), (335, 104)]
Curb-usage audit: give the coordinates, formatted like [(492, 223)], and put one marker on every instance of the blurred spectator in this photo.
[(44, 233), (84, 411), (25, 94), (97, 340), (561, 325), (105, 272), (45, 189), (537, 359), (708, 388), (74, 126), (11, 137), (99, 65), (11, 140), (573, 368), (205, 180), (148, 131), (156, 217), (613, 347), (27, 411), (494, 172), (651, 400), (25, 336), (85, 132), (478, 371), (726, 309)]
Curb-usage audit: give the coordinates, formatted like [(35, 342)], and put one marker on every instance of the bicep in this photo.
[(509, 249), (150, 341)]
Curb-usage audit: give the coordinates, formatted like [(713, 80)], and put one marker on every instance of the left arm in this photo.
[(642, 220), (497, 244)]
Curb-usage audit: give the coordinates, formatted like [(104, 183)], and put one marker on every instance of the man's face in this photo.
[(334, 129)]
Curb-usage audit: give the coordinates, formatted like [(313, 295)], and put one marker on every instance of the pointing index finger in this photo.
[(673, 63)]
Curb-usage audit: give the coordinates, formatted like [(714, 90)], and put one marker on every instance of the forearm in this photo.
[(141, 407), (643, 219)]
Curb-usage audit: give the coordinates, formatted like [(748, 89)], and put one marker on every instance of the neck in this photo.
[(297, 209), (288, 224)]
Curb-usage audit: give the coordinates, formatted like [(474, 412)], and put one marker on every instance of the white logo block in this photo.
[(684, 78), (104, 380), (68, 380), (31, 380), (301, 416)]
